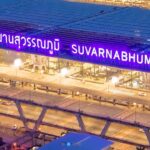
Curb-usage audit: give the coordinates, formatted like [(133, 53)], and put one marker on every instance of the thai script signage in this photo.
[(115, 56), (21, 42)]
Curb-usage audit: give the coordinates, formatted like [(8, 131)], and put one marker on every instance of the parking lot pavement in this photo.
[(6, 129)]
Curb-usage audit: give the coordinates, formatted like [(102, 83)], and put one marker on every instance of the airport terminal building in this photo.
[(75, 66), (90, 38)]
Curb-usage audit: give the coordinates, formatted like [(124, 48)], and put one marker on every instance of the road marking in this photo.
[(16, 93), (124, 115)]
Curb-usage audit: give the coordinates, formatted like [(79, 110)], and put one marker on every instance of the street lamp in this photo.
[(135, 105), (135, 84), (17, 64), (64, 72), (114, 80)]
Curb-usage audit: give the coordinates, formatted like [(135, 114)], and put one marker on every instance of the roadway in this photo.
[(68, 120), (106, 90), (76, 103)]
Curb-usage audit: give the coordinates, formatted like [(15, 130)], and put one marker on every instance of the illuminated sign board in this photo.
[(20, 42), (104, 54)]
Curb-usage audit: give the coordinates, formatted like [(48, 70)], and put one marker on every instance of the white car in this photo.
[(142, 94), (141, 130), (35, 148)]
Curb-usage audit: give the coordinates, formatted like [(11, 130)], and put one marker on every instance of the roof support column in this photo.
[(147, 133), (22, 117), (40, 119), (80, 122), (105, 129)]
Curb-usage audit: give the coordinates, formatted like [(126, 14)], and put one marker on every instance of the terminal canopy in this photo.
[(78, 141)]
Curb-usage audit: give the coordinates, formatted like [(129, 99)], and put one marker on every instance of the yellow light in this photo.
[(17, 63), (64, 71), (114, 80)]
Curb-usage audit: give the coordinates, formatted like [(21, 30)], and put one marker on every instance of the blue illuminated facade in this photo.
[(99, 34)]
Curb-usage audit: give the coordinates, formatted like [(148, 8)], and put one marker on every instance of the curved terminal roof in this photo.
[(80, 141), (129, 24)]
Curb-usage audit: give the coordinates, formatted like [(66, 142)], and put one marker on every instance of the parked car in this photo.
[(142, 94)]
